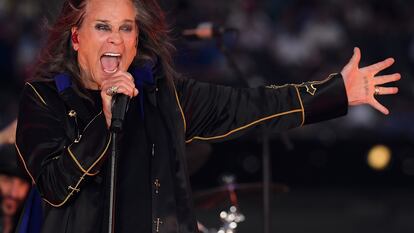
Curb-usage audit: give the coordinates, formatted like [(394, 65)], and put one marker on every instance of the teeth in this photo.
[(112, 54), (111, 71), (115, 55)]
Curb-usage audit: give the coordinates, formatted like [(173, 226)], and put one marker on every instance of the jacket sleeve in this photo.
[(216, 113), (57, 165)]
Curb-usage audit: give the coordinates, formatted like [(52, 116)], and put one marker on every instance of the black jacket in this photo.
[(63, 146)]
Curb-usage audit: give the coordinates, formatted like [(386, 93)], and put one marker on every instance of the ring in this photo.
[(112, 90), (377, 90)]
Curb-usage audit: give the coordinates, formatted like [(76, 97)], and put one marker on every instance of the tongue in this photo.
[(109, 63)]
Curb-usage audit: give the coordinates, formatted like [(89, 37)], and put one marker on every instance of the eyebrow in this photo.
[(107, 21)]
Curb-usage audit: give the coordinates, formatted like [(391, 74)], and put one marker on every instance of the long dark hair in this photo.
[(58, 55)]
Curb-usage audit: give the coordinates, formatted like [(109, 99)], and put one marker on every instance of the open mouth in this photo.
[(110, 62)]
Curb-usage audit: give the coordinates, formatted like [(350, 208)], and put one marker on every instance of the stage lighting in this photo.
[(379, 157)]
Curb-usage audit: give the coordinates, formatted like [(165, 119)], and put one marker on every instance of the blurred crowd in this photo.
[(20, 36), (278, 42), (293, 41)]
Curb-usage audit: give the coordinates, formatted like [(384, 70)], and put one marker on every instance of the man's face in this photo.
[(107, 39), (13, 191)]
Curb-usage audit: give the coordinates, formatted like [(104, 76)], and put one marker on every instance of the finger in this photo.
[(125, 90), (130, 76), (122, 78), (127, 77), (379, 80), (379, 107), (129, 85), (122, 88), (106, 102), (388, 90), (356, 58), (354, 61), (117, 81), (134, 92), (378, 67), (125, 74)]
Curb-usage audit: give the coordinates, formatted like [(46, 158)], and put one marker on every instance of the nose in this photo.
[(115, 38), (18, 189)]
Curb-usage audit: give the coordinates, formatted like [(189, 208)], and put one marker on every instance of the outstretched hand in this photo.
[(362, 85)]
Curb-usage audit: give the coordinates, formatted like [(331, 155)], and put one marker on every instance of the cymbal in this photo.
[(211, 198)]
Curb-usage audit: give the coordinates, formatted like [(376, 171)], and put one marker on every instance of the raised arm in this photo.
[(217, 113)]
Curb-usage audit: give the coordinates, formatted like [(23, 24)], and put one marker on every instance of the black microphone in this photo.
[(120, 103), (205, 31)]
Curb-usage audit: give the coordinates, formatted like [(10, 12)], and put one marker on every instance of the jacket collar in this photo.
[(71, 99), (143, 78)]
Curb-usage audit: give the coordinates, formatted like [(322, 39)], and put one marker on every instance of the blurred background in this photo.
[(353, 174)]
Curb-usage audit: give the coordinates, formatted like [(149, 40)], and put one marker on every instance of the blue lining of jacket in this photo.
[(142, 75)]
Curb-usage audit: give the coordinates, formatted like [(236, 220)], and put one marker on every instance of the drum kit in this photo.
[(225, 199), (232, 217)]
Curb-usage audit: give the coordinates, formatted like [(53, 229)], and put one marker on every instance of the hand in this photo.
[(124, 84), (362, 85), (8, 135)]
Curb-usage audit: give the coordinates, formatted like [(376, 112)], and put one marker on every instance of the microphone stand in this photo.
[(231, 61), (120, 105), (113, 166), (267, 177)]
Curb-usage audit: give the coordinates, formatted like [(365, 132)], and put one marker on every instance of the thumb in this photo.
[(352, 64), (356, 58), (107, 107)]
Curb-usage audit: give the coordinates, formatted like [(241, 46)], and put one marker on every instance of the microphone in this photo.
[(205, 31), (120, 104)]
